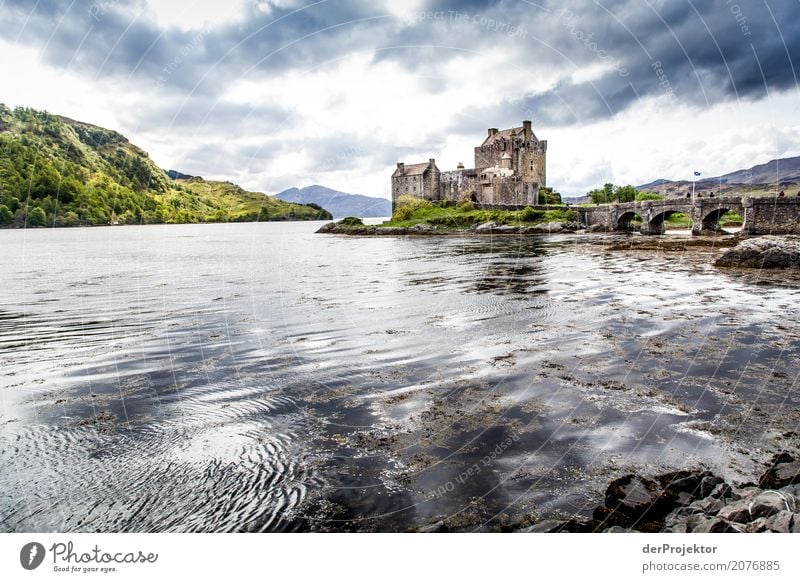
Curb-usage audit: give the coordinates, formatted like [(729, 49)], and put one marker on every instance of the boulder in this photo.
[(638, 498), (780, 522), (764, 252), (422, 227), (486, 226), (784, 470), (708, 506), (507, 229), (770, 503), (738, 511), (703, 524), (757, 526), (329, 227), (795, 523), (690, 485)]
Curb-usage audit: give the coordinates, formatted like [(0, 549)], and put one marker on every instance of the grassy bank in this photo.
[(413, 211)]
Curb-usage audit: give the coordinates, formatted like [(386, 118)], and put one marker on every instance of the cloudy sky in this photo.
[(279, 93)]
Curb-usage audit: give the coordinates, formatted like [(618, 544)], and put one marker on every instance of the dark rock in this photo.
[(770, 503), (721, 491), (708, 505), (780, 522), (738, 511), (795, 523), (695, 485), (638, 499), (329, 227), (757, 526), (784, 470), (507, 229), (746, 492), (703, 524)]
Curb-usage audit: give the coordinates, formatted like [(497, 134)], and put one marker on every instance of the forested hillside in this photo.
[(55, 171)]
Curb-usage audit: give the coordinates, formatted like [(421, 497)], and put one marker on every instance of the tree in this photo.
[(5, 215), (548, 196), (610, 193), (625, 193), (37, 217)]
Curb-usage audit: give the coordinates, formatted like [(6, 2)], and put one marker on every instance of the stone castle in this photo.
[(510, 167)]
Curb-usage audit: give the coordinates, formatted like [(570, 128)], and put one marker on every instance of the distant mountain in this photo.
[(763, 179), (653, 184), (55, 171), (340, 204), (773, 172)]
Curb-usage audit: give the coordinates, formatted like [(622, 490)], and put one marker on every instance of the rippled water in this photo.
[(258, 377)]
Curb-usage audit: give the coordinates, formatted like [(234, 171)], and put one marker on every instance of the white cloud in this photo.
[(198, 13)]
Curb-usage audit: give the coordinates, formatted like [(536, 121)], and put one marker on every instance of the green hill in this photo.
[(55, 171)]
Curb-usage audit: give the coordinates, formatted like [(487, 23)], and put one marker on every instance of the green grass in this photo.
[(463, 215), (678, 220)]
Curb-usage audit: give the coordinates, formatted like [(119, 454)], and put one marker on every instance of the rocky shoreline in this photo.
[(343, 227), (696, 502)]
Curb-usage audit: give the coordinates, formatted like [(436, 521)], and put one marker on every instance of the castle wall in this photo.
[(408, 186), (459, 185)]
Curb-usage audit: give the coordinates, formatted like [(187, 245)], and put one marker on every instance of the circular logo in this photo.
[(31, 555)]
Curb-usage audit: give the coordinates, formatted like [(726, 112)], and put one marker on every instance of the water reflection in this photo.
[(258, 377)]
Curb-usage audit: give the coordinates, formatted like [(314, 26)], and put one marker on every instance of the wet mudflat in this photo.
[(258, 377)]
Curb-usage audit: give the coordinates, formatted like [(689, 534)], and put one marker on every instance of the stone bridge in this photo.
[(768, 215)]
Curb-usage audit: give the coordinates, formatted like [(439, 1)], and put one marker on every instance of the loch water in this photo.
[(260, 377)]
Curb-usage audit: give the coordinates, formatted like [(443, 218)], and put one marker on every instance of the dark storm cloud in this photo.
[(695, 52)]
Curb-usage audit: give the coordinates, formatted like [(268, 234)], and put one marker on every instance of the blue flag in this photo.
[(697, 173)]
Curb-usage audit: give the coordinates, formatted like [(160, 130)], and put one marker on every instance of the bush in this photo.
[(351, 221), (406, 206), (648, 196), (530, 214), (37, 217), (465, 206), (5, 215)]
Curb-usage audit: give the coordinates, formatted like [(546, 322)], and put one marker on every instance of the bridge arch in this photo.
[(710, 220), (656, 223), (624, 220)]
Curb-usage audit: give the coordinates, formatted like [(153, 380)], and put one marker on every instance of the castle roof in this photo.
[(503, 134), (411, 170)]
